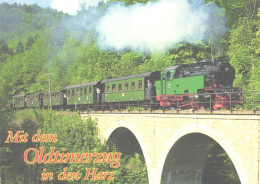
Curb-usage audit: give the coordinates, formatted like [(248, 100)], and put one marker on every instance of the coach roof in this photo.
[(148, 74), (82, 85)]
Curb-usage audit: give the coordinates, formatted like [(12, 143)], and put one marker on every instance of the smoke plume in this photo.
[(157, 26)]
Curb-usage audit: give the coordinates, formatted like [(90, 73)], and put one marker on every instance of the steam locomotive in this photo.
[(201, 84)]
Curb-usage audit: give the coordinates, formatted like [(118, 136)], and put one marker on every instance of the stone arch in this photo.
[(132, 128), (125, 141), (212, 135)]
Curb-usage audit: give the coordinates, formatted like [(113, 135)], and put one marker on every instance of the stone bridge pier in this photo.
[(176, 146)]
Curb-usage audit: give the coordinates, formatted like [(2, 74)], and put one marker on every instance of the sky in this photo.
[(67, 6)]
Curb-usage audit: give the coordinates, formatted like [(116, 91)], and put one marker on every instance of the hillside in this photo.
[(35, 41)]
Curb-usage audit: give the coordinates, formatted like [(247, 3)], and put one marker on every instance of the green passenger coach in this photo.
[(18, 101), (57, 98), (130, 88), (32, 100), (83, 94)]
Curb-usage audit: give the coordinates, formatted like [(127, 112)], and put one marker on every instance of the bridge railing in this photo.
[(232, 100)]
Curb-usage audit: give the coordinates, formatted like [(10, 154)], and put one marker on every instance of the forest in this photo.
[(37, 41)]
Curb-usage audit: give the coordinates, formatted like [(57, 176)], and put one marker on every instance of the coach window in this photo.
[(126, 86), (108, 89), (119, 87), (77, 92), (133, 86), (90, 91), (85, 91), (140, 85), (68, 93), (73, 92), (81, 90), (168, 75), (113, 88)]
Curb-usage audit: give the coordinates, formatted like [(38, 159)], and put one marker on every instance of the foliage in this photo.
[(132, 167), (244, 54), (131, 2), (219, 168), (13, 169), (74, 134)]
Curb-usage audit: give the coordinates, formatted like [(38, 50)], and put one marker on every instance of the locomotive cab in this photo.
[(172, 84)]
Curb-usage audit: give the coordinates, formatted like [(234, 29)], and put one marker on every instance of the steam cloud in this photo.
[(159, 25)]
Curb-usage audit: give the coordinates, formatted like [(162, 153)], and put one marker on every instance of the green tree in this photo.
[(219, 168), (29, 43), (243, 53), (20, 47), (126, 65)]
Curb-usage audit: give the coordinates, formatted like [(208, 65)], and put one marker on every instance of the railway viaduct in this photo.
[(175, 146)]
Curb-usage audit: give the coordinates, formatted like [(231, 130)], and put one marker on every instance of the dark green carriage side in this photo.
[(168, 85), (18, 101), (32, 100), (83, 94), (129, 88)]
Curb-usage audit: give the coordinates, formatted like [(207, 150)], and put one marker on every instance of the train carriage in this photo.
[(84, 94), (32, 100), (19, 101), (139, 87), (58, 99)]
